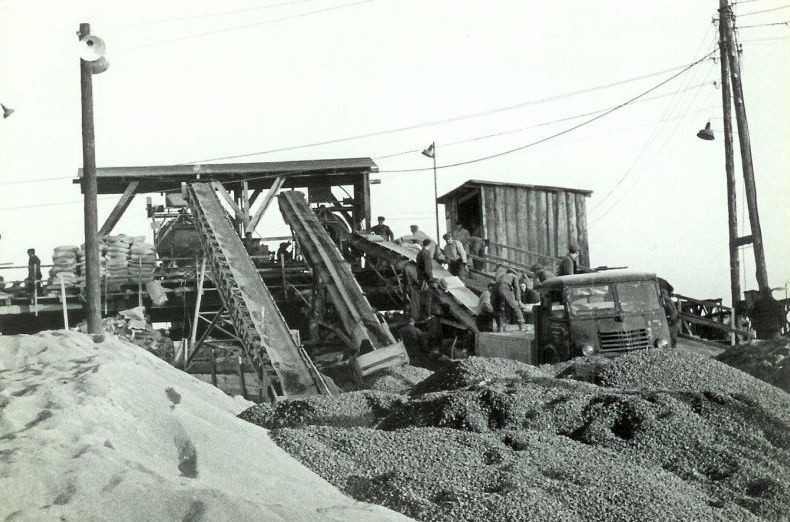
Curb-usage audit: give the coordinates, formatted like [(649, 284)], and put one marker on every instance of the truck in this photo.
[(601, 313)]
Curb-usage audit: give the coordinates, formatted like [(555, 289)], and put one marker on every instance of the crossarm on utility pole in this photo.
[(275, 188), (120, 207)]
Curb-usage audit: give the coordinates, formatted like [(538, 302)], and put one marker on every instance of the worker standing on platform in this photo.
[(455, 255), (424, 263), (33, 269), (486, 318), (570, 263), (383, 230), (510, 297)]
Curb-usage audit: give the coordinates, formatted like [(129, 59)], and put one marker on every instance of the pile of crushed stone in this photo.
[(766, 360), (656, 435), (398, 380)]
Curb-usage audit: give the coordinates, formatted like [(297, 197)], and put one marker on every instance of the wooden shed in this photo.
[(526, 224)]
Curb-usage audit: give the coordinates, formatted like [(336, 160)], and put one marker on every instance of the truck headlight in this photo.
[(587, 350), (661, 343)]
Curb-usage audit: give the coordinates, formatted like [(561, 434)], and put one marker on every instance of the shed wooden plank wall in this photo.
[(542, 221)]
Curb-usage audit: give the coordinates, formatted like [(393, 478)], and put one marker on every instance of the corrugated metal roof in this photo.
[(473, 184)]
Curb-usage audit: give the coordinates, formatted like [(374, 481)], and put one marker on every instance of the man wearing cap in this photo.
[(455, 255), (383, 230), (33, 269), (570, 263)]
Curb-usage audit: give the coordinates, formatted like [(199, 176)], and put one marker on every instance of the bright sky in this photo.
[(194, 80)]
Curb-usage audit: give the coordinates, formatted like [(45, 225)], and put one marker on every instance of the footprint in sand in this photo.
[(174, 397)]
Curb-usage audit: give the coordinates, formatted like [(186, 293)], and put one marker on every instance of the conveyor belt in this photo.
[(260, 326), (358, 318), (460, 301)]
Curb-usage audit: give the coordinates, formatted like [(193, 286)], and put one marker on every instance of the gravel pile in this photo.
[(399, 380), (474, 370), (766, 360), (665, 436), (353, 409)]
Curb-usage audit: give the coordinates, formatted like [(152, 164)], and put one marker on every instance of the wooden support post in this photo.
[(245, 205), (276, 186), (241, 378), (198, 299), (64, 302), (254, 196), (120, 207), (213, 367), (227, 197)]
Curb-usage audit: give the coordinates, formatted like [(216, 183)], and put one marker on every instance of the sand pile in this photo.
[(109, 432), (766, 360), (666, 436)]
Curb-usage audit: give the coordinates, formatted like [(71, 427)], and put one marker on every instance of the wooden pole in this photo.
[(436, 197), (89, 190), (727, 19), (64, 303), (729, 163), (199, 298)]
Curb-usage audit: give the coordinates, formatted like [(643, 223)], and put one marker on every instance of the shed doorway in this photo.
[(470, 213)]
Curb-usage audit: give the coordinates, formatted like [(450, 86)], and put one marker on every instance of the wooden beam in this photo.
[(227, 197), (278, 183), (743, 240), (120, 208), (245, 204)]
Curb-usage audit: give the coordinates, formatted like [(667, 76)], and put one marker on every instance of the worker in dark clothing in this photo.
[(33, 270), (413, 338), (570, 263), (509, 298), (383, 230), (424, 263), (670, 310), (767, 316), (283, 251), (486, 318)]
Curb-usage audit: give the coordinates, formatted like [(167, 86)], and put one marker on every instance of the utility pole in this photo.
[(727, 21), (729, 161), (89, 190)]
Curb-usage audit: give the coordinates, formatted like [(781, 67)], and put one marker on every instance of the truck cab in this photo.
[(604, 313)]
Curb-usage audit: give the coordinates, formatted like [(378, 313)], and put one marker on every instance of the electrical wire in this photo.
[(41, 180), (446, 120), (208, 15), (537, 125), (246, 26), (786, 22), (741, 15), (563, 132)]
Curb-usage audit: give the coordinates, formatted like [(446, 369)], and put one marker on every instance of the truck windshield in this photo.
[(640, 296), (591, 300)]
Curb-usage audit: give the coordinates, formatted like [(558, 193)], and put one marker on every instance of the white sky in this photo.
[(285, 80)]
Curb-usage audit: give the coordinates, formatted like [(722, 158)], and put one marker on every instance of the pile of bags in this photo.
[(142, 259), (65, 260), (132, 326), (116, 254)]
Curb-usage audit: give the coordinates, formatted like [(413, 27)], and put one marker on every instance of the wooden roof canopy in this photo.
[(333, 172), (474, 184)]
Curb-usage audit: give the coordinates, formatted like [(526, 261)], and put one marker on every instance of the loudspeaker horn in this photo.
[(91, 48), (100, 65)]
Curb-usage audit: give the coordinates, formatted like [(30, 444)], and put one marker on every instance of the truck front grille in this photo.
[(624, 341)]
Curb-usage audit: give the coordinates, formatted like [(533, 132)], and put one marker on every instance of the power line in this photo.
[(786, 22), (237, 27), (446, 120), (56, 204), (542, 124), (209, 15), (563, 132), (25, 181), (741, 15)]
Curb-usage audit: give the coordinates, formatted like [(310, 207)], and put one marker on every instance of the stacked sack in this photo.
[(65, 260), (117, 250), (142, 259)]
